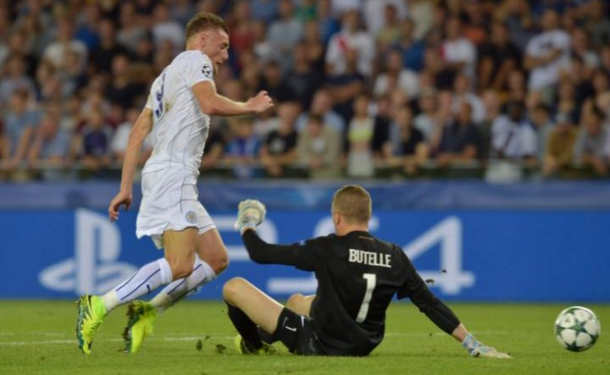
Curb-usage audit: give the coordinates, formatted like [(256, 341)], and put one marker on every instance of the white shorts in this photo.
[(170, 202)]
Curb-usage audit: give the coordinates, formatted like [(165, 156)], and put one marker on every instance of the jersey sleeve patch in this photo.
[(207, 71), (199, 69)]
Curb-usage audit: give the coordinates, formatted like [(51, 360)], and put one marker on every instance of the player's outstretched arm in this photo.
[(212, 103), (138, 134)]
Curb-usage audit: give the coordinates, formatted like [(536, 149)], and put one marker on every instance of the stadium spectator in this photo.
[(360, 134), (214, 149), (262, 49), (166, 29), (396, 76), (319, 148), (543, 125), (581, 48), (491, 101), (350, 39), (243, 148), (241, 26), (382, 109), (476, 24), (412, 49), (559, 148), (121, 90), (15, 79), (95, 142), (422, 13), (101, 57), (302, 78), (425, 121), (460, 140), (120, 138), (279, 149), (285, 32), (462, 92), (20, 123), (16, 46), (458, 53), (328, 25), (512, 136), (434, 40), (547, 53), (598, 22), (316, 49), (52, 146), (497, 58), (264, 10), (274, 83), (322, 105), (87, 24), (64, 42), (306, 10), (592, 150), (380, 15), (389, 34), (518, 17), (406, 146), (132, 27), (346, 86)]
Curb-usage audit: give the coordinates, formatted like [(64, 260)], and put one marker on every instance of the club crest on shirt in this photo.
[(191, 217), (207, 71)]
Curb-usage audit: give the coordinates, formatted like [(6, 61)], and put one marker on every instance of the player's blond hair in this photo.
[(204, 20), (354, 203)]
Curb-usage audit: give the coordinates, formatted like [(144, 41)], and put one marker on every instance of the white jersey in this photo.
[(179, 128)]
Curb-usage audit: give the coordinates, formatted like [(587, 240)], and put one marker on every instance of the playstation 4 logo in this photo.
[(94, 268)]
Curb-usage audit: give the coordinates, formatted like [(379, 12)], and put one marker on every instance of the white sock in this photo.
[(182, 288), (144, 281)]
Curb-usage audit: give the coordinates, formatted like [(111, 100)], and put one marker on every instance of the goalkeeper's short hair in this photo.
[(354, 203)]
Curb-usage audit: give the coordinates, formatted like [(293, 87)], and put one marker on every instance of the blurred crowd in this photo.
[(359, 85)]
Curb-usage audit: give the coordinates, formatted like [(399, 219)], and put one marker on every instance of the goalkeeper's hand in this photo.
[(250, 214), (479, 350)]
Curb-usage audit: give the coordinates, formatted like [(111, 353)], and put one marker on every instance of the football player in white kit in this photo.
[(177, 117)]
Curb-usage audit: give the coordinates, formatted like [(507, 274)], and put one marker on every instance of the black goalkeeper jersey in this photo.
[(358, 275)]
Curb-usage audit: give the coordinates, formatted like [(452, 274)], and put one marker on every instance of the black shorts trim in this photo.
[(296, 332)]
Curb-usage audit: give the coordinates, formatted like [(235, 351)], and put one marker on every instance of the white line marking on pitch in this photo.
[(193, 338)]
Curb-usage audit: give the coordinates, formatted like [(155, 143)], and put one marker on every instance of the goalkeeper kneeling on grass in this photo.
[(358, 275)]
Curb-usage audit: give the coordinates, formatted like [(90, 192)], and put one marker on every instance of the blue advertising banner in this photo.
[(469, 255)]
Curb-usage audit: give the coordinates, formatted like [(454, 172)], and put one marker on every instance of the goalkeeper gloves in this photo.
[(250, 213), (478, 349)]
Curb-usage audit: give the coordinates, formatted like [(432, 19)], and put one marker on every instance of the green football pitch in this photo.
[(37, 337)]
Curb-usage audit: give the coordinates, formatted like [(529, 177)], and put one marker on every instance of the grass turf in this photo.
[(37, 337)]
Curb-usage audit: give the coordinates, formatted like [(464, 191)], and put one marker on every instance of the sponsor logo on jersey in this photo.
[(191, 217)]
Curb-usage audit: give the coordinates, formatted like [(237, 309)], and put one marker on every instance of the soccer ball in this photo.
[(577, 328)]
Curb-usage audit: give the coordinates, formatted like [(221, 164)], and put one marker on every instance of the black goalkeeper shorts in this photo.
[(296, 332)]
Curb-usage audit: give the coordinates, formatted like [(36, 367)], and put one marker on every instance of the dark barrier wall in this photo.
[(483, 255)]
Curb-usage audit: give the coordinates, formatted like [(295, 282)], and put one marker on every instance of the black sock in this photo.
[(246, 327), (266, 337)]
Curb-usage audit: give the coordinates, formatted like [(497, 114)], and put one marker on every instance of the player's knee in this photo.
[(294, 300), (219, 263), (181, 268), (232, 288)]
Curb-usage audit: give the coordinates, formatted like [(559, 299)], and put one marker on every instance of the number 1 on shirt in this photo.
[(371, 281)]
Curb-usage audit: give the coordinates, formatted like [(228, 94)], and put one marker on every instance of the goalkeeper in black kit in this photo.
[(358, 275)]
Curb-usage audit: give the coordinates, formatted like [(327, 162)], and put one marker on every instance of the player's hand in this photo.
[(479, 350), (250, 213), (260, 103), (485, 351), (123, 198)]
